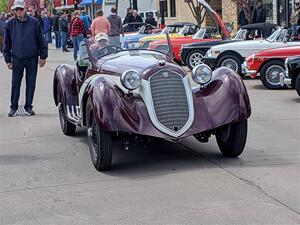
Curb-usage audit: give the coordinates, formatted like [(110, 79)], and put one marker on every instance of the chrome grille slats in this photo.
[(169, 99)]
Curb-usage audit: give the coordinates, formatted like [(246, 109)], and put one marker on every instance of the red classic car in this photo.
[(269, 64), (204, 34)]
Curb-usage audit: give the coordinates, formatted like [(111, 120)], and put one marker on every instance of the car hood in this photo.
[(159, 37), (240, 45), (144, 61), (207, 44), (285, 51)]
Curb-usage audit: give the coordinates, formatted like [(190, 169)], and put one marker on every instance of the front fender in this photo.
[(65, 83), (116, 111), (225, 100)]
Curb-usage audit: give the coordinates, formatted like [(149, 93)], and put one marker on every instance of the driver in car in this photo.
[(100, 41)]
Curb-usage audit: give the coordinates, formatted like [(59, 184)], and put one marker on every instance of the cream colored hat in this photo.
[(19, 4), (101, 36)]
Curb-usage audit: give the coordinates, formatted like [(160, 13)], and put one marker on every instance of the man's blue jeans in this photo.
[(63, 36), (57, 39), (76, 42), (30, 66)]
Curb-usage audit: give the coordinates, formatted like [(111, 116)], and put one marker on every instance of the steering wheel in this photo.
[(108, 49)]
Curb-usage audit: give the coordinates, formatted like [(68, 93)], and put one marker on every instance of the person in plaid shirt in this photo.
[(76, 32)]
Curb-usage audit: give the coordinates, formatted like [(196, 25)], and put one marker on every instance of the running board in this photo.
[(73, 113)]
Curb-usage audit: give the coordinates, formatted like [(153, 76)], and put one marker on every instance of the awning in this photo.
[(64, 7), (89, 2)]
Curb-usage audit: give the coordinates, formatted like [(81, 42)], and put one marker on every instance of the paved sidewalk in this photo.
[(48, 178)]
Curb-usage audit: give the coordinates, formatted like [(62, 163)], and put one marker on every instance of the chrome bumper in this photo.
[(284, 79), (246, 71)]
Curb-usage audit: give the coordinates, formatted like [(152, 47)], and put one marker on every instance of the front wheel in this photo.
[(100, 144), (231, 61), (270, 74), (194, 58), (232, 138), (297, 84)]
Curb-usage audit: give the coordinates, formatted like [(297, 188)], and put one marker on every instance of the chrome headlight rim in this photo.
[(125, 83), (199, 77)]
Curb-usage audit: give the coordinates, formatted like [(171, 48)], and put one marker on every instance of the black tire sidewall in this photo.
[(297, 84), (187, 60), (235, 58)]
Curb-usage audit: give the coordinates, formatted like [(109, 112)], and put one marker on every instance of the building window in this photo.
[(173, 8), (164, 8)]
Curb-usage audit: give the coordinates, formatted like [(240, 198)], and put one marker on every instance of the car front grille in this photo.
[(169, 99)]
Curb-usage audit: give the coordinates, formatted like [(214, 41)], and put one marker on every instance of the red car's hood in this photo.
[(285, 51), (180, 41)]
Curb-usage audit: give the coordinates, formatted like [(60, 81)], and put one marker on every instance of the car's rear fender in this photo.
[(65, 83)]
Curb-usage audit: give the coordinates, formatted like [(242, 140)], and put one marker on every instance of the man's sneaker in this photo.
[(29, 112), (12, 113)]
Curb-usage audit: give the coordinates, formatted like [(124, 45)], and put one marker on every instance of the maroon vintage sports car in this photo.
[(139, 94)]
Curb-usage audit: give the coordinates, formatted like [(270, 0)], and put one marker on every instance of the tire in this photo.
[(232, 138), (297, 84), (67, 127), (231, 61), (100, 144), (194, 58), (269, 74)]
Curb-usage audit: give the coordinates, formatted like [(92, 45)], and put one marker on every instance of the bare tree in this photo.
[(197, 10)]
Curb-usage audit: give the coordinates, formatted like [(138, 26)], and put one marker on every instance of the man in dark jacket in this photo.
[(2, 29), (260, 13), (33, 12), (55, 28), (128, 14), (116, 27), (149, 19), (24, 48), (63, 30), (134, 18)]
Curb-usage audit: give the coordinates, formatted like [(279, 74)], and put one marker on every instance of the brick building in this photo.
[(278, 11)]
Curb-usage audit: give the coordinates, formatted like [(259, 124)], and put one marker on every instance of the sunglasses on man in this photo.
[(19, 9)]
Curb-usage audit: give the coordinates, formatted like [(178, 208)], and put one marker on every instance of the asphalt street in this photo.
[(48, 178)]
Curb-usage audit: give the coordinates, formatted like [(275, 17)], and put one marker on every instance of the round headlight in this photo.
[(201, 74), (131, 79)]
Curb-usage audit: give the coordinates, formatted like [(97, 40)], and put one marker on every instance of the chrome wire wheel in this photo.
[(231, 63), (195, 59), (272, 74)]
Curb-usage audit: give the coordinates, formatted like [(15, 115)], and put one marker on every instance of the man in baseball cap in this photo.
[(18, 4), (24, 48)]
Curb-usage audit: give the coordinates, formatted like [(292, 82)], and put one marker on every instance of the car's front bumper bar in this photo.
[(246, 71), (285, 79)]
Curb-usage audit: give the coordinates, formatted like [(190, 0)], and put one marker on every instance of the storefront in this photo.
[(278, 11)]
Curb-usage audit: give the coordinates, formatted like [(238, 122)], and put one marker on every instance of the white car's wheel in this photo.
[(231, 61)]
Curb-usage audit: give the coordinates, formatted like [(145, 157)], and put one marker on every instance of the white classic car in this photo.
[(232, 55)]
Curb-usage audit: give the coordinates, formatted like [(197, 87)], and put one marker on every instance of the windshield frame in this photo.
[(273, 37)]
